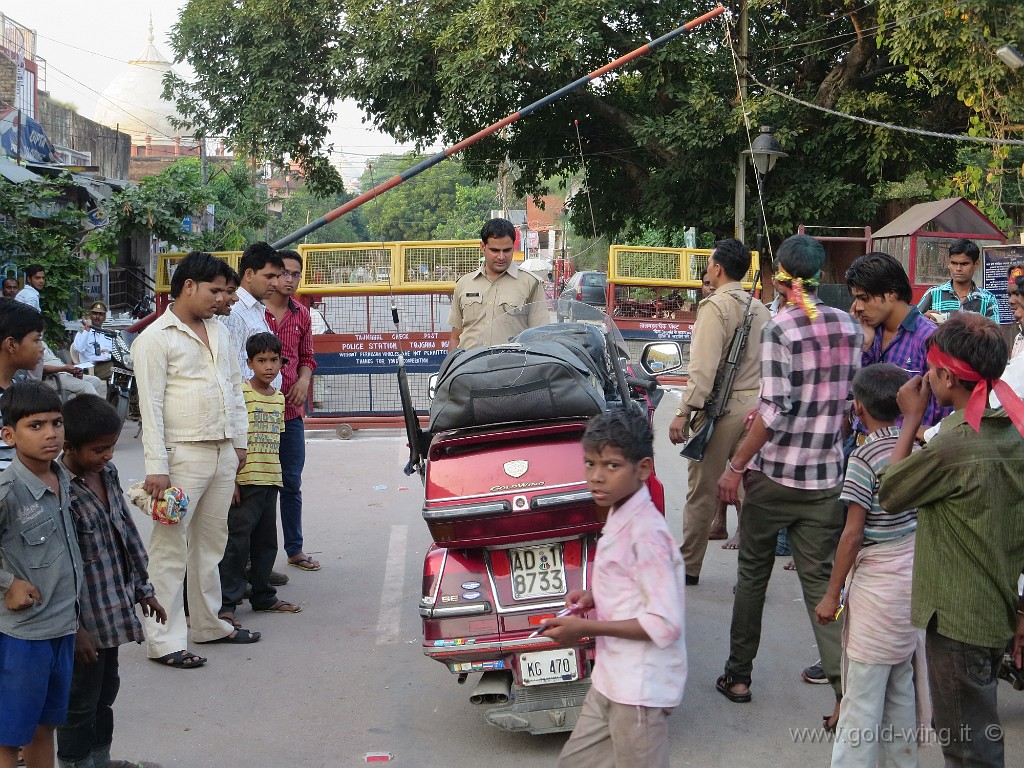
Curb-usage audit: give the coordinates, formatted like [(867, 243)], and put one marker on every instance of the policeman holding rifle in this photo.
[(719, 319)]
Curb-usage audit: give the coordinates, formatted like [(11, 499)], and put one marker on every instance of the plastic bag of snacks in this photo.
[(169, 510)]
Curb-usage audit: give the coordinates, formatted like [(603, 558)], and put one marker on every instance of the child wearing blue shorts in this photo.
[(40, 573)]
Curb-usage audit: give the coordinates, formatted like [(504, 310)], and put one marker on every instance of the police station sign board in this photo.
[(349, 353)]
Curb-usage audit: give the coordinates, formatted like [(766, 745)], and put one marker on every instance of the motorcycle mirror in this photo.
[(660, 357)]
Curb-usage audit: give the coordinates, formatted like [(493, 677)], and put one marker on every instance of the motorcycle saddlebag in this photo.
[(493, 385)]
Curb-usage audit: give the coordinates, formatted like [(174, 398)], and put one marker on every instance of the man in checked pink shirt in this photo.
[(791, 462), (635, 610)]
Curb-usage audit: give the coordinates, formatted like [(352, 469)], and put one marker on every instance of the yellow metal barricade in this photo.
[(373, 269), (663, 267), (168, 262)]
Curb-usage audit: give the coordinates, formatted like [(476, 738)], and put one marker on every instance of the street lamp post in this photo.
[(764, 151)]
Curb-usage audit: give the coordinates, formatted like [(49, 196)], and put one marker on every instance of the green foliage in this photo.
[(40, 228), (240, 208), (472, 206), (303, 206), (427, 206), (157, 205), (267, 77), (154, 207), (951, 48), (662, 135)]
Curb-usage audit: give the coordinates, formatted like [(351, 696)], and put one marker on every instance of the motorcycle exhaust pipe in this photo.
[(492, 688)]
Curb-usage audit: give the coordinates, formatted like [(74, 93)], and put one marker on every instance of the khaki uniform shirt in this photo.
[(718, 317), (493, 312)]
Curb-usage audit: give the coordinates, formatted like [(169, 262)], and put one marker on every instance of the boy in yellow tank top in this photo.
[(252, 519)]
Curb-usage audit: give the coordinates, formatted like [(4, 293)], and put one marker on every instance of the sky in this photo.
[(86, 45)]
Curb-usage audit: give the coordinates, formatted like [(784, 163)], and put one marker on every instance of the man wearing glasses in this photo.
[(290, 322), (92, 344)]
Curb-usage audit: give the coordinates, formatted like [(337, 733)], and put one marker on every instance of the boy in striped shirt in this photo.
[(252, 519), (877, 550)]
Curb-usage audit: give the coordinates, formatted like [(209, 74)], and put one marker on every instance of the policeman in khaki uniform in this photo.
[(489, 305), (718, 317)]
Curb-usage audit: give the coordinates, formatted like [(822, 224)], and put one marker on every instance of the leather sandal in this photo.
[(725, 683)]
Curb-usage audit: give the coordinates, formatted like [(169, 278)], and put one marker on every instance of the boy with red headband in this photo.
[(967, 484)]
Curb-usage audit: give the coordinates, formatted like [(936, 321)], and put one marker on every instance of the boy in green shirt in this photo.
[(967, 484)]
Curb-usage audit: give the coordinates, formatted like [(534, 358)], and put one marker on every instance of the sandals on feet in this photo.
[(230, 619), (305, 563), (180, 660), (281, 606), (725, 683), (238, 637)]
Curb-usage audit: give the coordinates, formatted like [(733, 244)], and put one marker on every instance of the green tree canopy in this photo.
[(303, 206), (266, 78), (157, 205), (240, 207), (661, 136), (440, 202)]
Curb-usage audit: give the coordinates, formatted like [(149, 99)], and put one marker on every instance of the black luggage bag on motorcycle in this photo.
[(494, 385)]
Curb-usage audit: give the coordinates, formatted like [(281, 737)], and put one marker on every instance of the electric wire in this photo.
[(890, 126), (583, 162)]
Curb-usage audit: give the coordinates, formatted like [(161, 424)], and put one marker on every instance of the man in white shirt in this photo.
[(92, 344), (260, 270), (35, 281), (194, 437)]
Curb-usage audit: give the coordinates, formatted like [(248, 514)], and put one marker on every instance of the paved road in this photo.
[(346, 677)]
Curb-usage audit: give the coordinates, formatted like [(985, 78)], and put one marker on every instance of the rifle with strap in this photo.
[(715, 407)]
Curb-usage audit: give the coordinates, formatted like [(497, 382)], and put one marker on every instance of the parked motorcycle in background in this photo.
[(122, 392)]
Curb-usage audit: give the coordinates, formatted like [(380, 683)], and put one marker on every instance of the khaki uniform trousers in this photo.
[(702, 479), (206, 472)]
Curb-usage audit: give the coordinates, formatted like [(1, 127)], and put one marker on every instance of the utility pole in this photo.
[(204, 168), (741, 167)]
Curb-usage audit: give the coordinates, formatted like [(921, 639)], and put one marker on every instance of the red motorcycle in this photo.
[(514, 526)]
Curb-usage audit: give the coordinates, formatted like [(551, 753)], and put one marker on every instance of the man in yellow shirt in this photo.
[(194, 437)]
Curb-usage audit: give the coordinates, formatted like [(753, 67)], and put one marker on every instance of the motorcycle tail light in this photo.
[(433, 567), (499, 564), (572, 554)]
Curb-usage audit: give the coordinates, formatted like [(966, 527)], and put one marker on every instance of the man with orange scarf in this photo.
[(791, 462)]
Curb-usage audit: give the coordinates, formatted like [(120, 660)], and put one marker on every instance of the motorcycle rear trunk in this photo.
[(515, 530)]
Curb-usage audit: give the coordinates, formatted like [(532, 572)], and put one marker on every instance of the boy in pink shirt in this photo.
[(635, 611)]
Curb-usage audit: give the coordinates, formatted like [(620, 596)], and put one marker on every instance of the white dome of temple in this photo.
[(133, 103)]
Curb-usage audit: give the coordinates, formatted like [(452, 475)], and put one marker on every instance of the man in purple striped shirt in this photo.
[(791, 461), (894, 329)]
